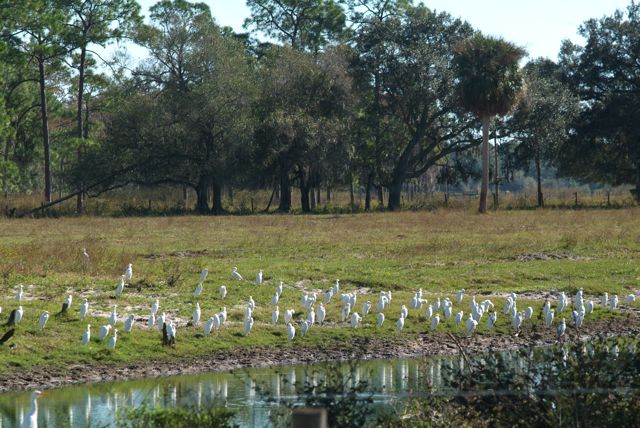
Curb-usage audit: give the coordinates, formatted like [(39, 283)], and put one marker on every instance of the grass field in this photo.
[(439, 251)]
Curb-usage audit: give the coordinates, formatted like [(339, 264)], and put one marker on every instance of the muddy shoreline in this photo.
[(425, 344)]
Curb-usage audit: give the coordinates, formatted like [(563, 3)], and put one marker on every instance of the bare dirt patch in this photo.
[(178, 254), (528, 257)]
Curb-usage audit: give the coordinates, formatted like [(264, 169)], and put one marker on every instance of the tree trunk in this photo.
[(229, 193), (81, 66), (312, 192), (45, 131), (496, 172), (539, 179), (304, 193), (485, 164), (380, 195), (329, 193), (217, 199), (352, 196), (395, 193), (367, 196), (202, 195), (318, 194), (285, 191)]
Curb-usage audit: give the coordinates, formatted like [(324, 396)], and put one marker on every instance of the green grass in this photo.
[(439, 252)]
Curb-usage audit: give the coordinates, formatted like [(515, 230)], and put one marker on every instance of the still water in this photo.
[(98, 405)]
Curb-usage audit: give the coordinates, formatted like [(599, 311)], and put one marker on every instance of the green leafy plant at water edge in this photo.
[(170, 417)]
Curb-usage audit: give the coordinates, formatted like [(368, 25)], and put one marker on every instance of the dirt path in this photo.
[(360, 348)]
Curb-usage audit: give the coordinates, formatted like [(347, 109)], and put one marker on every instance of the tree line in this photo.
[(316, 94)]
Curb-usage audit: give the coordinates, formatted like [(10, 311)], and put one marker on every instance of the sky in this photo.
[(539, 26)]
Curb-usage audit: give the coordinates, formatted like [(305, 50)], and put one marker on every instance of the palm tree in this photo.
[(489, 84)]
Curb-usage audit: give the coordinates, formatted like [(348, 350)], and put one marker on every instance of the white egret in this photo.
[(217, 321), (275, 299), (85, 255), (43, 319), (120, 286), (208, 326), (291, 331), (613, 303), (548, 321), (67, 303), (20, 293), (203, 275), (248, 313), (128, 272), (506, 308), (151, 322), (223, 313), (471, 325), (235, 274), (198, 291), (18, 317), (460, 295), (251, 303), (114, 316), (288, 315), (259, 278), (630, 299), (346, 310), (578, 319), (561, 328), (458, 318), (196, 314), (380, 319), (113, 340), (404, 312), (327, 296), (589, 307), (366, 308), (429, 312), (304, 328), (516, 321), (312, 316), (84, 309), (322, 313), (86, 337), (447, 310), (413, 304), (275, 315), (605, 299), (528, 313), (248, 324), (435, 321), (279, 289), (562, 302), (399, 324), (104, 331), (546, 308), (159, 321), (31, 419), (128, 323), (222, 291), (336, 287), (355, 320), (171, 332), (155, 307), (491, 322)]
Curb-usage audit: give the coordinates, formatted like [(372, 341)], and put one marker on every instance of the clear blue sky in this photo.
[(537, 25)]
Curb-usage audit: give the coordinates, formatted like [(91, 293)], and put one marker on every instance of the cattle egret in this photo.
[(458, 318), (605, 299), (435, 321), (203, 275), (346, 310), (355, 320), (549, 318), (43, 319), (404, 312), (589, 307), (31, 419), (288, 315), (114, 316), (217, 321), (366, 308), (113, 340), (159, 321), (104, 331), (248, 324), (311, 317), (86, 337), (151, 322), (471, 325), (196, 314), (128, 324), (275, 299), (248, 312), (155, 307), (20, 293), (259, 278), (328, 295), (67, 304), (17, 316), (429, 312), (223, 291), (561, 328), (251, 303), (235, 274), (336, 287), (128, 273), (275, 315), (120, 287), (279, 289), (492, 320), (630, 299), (84, 309), (208, 326), (322, 313), (198, 291), (400, 324), (528, 313), (516, 321), (546, 308), (562, 302), (291, 331), (304, 328), (224, 315), (613, 303)]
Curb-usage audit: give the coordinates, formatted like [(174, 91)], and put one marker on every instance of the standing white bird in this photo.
[(304, 328), (471, 325), (159, 321), (491, 322), (561, 328), (67, 304), (355, 320), (113, 340), (18, 317), (399, 324), (223, 314), (31, 419), (589, 307), (322, 313), (460, 295), (151, 322), (404, 312), (275, 299), (366, 308), (275, 315), (288, 315), (128, 323), (312, 316), (458, 318), (104, 331), (20, 293), (203, 275), (86, 337), (43, 319), (380, 319), (605, 299), (429, 313), (291, 331), (528, 313), (346, 310), (155, 307), (196, 314), (548, 321), (613, 303), (630, 299), (279, 289), (248, 324), (259, 278), (120, 286), (222, 291), (85, 255), (208, 326), (114, 316), (84, 309), (128, 272), (198, 291), (435, 321), (235, 274)]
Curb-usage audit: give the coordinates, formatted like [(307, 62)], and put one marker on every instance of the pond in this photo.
[(251, 393)]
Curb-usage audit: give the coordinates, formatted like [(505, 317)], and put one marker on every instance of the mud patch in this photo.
[(529, 257), (178, 254)]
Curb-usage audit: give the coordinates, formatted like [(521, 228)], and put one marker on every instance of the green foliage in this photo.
[(179, 417)]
